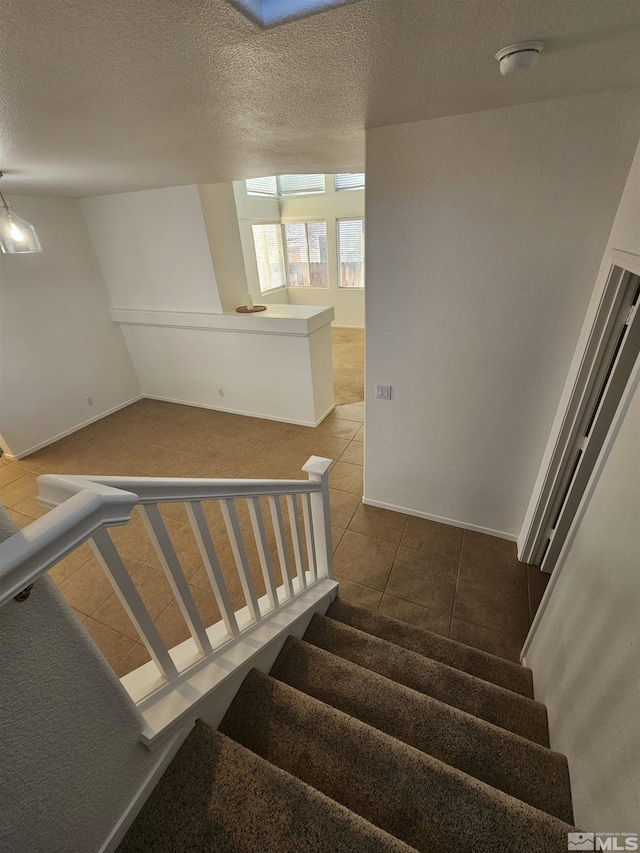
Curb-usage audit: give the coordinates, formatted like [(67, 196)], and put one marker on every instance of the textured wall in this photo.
[(58, 344), (585, 655), (71, 760), (485, 233)]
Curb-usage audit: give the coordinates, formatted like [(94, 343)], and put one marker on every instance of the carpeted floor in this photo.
[(348, 365), (355, 744)]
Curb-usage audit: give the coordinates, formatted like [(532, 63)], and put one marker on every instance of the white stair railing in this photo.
[(84, 507)]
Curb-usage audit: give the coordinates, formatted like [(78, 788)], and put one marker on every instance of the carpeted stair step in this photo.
[(483, 665), (506, 761), (412, 796), (485, 700), (219, 797)]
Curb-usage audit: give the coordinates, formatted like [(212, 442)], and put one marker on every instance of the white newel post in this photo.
[(317, 468)]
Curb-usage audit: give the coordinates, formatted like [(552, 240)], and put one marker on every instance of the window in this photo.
[(262, 186), (350, 181), (306, 254), (268, 242), (301, 184), (351, 252)]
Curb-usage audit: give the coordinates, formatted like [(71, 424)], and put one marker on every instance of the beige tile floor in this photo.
[(461, 584)]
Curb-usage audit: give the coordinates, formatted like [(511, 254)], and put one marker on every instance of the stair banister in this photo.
[(168, 689)]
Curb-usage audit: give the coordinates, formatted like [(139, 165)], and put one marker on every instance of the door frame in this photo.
[(533, 539)]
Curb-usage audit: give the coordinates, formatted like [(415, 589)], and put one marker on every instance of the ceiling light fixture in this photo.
[(519, 57), (16, 234)]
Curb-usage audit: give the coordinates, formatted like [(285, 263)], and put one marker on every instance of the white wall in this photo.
[(485, 233), (250, 209), (263, 371), (223, 231), (625, 235), (153, 249), (71, 759), (585, 654), (58, 344)]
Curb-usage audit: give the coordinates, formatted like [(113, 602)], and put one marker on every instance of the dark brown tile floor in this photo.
[(458, 583)]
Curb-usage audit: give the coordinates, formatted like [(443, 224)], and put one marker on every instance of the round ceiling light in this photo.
[(519, 57)]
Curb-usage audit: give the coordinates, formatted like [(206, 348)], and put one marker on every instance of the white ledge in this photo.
[(276, 320)]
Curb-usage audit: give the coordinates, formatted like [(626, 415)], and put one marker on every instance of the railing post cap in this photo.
[(317, 465)]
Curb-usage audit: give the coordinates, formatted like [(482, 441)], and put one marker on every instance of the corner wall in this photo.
[(624, 236), (585, 651), (58, 344), (348, 304), (485, 233)]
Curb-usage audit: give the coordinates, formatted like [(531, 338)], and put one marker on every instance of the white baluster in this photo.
[(317, 468), (295, 535), (278, 529), (212, 565), (171, 565), (240, 556), (308, 532), (263, 549), (107, 555)]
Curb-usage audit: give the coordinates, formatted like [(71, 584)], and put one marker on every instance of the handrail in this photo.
[(55, 488), (31, 552)]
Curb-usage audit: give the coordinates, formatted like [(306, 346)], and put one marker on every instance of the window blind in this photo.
[(351, 252), (299, 184), (306, 244), (268, 242), (350, 181), (262, 186)]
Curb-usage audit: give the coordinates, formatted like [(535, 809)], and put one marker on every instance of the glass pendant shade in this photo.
[(16, 234)]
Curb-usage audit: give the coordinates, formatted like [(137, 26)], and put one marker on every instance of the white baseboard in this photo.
[(67, 432), (241, 412), (144, 791), (337, 326), (512, 537)]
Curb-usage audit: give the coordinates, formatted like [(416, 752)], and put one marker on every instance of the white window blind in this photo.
[(351, 252), (267, 238), (300, 184), (350, 181), (306, 254), (262, 186)]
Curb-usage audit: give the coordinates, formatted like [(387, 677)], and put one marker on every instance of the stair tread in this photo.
[(457, 688), (506, 761), (219, 797), (412, 796), (476, 662)]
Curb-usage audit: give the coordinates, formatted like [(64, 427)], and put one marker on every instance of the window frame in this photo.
[(256, 194), (283, 268), (305, 221), (340, 219), (348, 189), (282, 194)]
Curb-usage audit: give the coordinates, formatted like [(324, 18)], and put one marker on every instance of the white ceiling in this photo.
[(101, 97)]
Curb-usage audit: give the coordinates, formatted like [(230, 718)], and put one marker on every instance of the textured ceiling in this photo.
[(100, 97)]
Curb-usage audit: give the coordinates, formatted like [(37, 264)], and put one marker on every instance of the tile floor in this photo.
[(460, 584)]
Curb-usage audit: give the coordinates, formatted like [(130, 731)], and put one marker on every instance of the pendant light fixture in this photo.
[(16, 234)]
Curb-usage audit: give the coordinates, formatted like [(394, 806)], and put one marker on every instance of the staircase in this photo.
[(367, 735)]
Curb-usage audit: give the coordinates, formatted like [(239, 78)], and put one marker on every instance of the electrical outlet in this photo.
[(221, 392), (383, 392), (89, 401)]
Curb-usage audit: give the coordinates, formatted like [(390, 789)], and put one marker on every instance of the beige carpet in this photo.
[(329, 754), (348, 365)]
